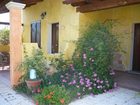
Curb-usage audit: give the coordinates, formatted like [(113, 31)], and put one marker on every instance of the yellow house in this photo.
[(50, 13), (54, 26)]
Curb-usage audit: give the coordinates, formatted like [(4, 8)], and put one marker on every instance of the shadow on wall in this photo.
[(118, 62)]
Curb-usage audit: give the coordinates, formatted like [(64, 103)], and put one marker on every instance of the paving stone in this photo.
[(119, 96)]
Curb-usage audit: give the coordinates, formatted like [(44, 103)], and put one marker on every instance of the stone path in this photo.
[(9, 97), (118, 96)]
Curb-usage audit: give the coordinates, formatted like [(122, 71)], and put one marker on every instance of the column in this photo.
[(15, 10)]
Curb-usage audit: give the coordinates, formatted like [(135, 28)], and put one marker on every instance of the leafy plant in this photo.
[(37, 61), (4, 36), (90, 72), (60, 63), (22, 88), (53, 95), (95, 50)]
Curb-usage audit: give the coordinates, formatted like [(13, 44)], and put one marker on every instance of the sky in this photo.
[(4, 18)]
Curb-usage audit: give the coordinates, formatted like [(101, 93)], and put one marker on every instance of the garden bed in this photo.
[(88, 72)]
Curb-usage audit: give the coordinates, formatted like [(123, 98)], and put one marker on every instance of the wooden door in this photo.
[(136, 56), (38, 34), (55, 37)]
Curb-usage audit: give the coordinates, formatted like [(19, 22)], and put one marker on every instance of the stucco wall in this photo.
[(72, 23), (56, 12), (126, 16), (4, 48)]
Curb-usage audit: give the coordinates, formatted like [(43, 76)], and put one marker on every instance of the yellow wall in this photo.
[(71, 22), (56, 12), (4, 48), (126, 16)]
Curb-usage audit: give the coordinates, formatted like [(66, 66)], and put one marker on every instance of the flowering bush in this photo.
[(90, 72), (53, 95)]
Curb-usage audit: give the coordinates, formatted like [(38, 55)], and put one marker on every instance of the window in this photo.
[(36, 32), (55, 38)]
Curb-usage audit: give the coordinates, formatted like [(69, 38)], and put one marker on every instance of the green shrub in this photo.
[(22, 88), (4, 36), (60, 63), (95, 50), (91, 71), (53, 95), (37, 61)]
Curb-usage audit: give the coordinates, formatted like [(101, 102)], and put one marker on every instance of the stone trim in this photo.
[(15, 5)]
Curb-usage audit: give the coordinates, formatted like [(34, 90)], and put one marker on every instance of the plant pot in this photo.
[(33, 83)]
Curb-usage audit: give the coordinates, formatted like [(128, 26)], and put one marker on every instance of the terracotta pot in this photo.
[(33, 83)]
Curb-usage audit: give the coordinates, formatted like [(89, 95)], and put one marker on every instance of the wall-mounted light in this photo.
[(43, 14)]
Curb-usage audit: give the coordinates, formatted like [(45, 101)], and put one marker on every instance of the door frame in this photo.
[(49, 37), (130, 68)]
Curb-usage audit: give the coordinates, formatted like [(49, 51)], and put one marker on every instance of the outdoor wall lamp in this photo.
[(43, 14)]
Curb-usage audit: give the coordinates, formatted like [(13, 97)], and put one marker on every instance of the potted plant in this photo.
[(34, 69)]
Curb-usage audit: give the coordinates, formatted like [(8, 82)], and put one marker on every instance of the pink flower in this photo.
[(98, 81), (77, 86), (64, 80), (95, 75), (81, 82), (71, 65), (101, 87), (98, 87), (94, 84), (92, 60), (91, 49), (70, 83), (95, 79), (78, 94), (74, 82), (92, 94), (90, 88), (101, 82), (84, 56)]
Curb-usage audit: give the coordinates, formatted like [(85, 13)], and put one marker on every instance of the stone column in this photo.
[(15, 10)]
